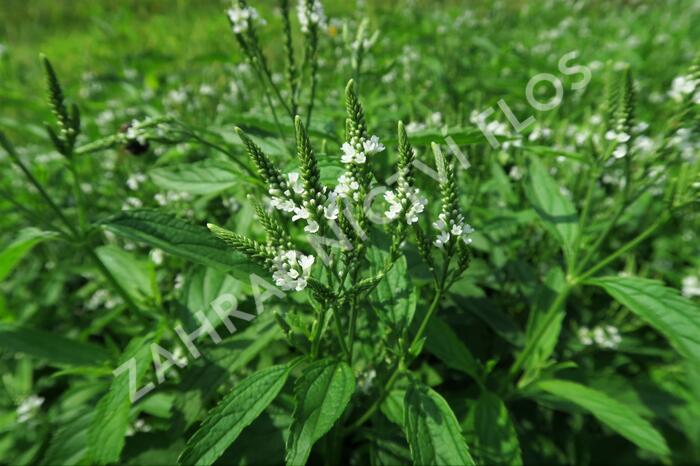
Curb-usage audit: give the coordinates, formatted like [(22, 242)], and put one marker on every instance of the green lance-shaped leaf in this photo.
[(494, 432), (395, 298), (322, 394), (49, 346), (111, 421), (610, 412), (20, 247), (248, 399), (137, 277), (675, 317), (202, 178), (554, 208), (180, 238), (432, 430), (443, 342)]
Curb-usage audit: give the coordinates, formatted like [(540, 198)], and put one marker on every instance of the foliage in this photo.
[(300, 232)]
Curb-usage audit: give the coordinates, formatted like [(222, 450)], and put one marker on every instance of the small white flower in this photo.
[(285, 205), (291, 270), (207, 89), (603, 336), (691, 286), (515, 172), (330, 211), (306, 262), (620, 151), (467, 230), (681, 87), (347, 185), (373, 146), (135, 180), (620, 137), (300, 213), (584, 336), (312, 227), (442, 239), (240, 18), (415, 127), (177, 96), (395, 206), (157, 256), (540, 133), (348, 153), (28, 408), (179, 281), (132, 202), (295, 182), (418, 204), (315, 16)]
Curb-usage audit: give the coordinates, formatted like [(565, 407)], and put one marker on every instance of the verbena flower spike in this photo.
[(450, 224), (405, 202), (68, 124)]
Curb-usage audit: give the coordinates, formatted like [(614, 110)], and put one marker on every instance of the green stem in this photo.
[(28, 174), (316, 338), (375, 406), (401, 365), (353, 324), (339, 334), (603, 236), (79, 198), (542, 327), (583, 220), (218, 148), (627, 247), (76, 234), (426, 319)]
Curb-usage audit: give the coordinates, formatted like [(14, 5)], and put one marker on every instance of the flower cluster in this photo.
[(686, 141), (242, 16), (355, 153), (28, 408), (451, 225), (135, 180), (310, 12), (620, 138), (607, 336), (134, 132), (289, 200), (359, 148), (291, 270), (347, 186), (683, 86), (405, 200)]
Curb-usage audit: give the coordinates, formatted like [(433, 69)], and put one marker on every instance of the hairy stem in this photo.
[(627, 247), (547, 320)]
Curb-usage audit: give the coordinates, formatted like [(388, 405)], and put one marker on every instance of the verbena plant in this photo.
[(350, 341)]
